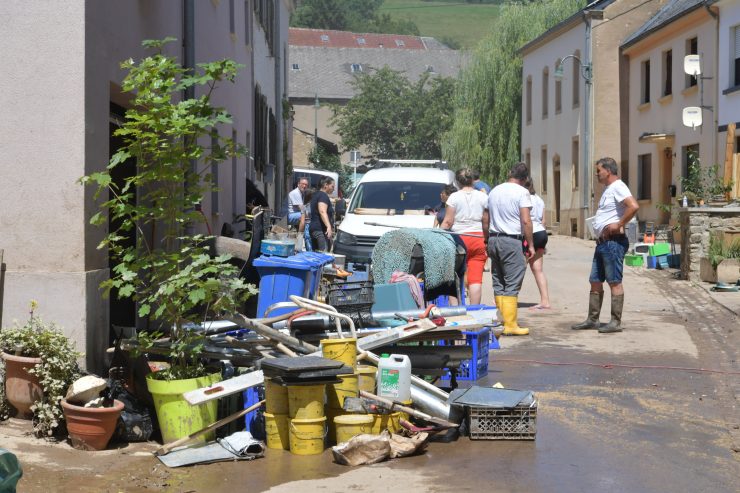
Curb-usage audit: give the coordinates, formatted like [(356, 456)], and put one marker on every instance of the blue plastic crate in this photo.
[(477, 366), (494, 344), (279, 248), (674, 261)]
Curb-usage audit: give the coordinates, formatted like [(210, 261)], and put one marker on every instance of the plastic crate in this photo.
[(513, 423), (659, 249), (653, 262), (351, 297), (477, 366), (280, 248), (674, 261), (633, 260)]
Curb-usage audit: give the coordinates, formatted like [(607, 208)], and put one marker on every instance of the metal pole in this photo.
[(587, 124), (316, 120)]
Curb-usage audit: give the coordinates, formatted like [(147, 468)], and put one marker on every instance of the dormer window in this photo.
[(400, 43), (296, 67), (429, 69), (356, 67), (325, 38), (360, 41)]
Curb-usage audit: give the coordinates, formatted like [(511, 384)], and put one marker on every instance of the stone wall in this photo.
[(696, 224)]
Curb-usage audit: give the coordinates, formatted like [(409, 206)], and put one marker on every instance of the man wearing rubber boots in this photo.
[(509, 206), (616, 207)]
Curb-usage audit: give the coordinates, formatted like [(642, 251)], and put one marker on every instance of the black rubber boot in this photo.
[(615, 324), (594, 309)]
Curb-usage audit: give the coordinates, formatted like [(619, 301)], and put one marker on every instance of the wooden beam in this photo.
[(729, 147)]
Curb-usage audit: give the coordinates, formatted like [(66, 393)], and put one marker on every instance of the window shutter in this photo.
[(737, 41)]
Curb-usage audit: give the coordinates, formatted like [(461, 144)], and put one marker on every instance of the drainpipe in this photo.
[(715, 92), (279, 158), (188, 45), (587, 156)]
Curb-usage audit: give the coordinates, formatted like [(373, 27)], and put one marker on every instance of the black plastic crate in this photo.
[(514, 423), (351, 297)]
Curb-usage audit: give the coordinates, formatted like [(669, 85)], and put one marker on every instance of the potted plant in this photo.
[(173, 279), (40, 363)]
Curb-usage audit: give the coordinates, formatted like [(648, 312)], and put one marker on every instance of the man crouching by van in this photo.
[(322, 212), (509, 205)]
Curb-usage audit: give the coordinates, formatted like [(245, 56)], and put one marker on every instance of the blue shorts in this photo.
[(608, 263)]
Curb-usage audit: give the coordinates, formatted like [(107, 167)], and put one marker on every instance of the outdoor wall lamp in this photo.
[(586, 69)]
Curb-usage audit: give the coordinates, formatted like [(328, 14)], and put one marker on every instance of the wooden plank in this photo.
[(224, 388), (736, 175), (729, 147)]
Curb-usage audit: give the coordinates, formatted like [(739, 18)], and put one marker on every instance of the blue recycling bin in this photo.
[(282, 277)]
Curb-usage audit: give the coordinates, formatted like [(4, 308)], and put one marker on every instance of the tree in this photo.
[(327, 160), (174, 280), (487, 115), (395, 118)]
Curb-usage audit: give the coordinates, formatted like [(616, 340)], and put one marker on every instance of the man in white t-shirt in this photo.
[(616, 207), (295, 201), (509, 206)]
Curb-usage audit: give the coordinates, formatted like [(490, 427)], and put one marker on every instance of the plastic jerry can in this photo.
[(394, 377)]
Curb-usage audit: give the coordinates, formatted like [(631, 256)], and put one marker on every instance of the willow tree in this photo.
[(487, 118)]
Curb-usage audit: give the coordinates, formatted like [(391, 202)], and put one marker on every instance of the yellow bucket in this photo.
[(307, 436), (332, 413), (276, 398), (277, 428), (336, 392), (350, 425), (366, 378), (344, 350), (388, 422), (306, 401)]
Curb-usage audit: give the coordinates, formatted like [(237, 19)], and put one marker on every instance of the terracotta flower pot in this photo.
[(22, 389), (90, 428)]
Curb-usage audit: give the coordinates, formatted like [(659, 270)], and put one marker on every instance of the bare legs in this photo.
[(536, 263)]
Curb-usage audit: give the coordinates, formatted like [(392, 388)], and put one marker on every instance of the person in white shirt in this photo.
[(466, 212), (616, 207), (295, 201), (539, 236), (509, 206)]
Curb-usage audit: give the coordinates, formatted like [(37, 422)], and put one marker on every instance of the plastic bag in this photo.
[(10, 471), (135, 423)]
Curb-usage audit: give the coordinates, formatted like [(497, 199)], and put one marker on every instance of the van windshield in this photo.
[(396, 195)]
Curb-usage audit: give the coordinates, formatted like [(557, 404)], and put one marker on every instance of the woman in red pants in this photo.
[(467, 211)]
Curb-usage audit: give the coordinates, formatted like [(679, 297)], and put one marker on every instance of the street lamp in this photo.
[(316, 106), (587, 74)]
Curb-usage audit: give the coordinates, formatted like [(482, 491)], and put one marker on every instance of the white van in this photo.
[(389, 198)]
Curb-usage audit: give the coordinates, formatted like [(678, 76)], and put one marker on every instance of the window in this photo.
[(545, 84), (645, 82), (429, 69), (692, 48), (689, 157), (667, 73), (574, 157), (528, 159), (736, 56), (576, 81), (360, 41), (558, 91), (356, 67), (400, 43), (644, 172), (543, 169), (325, 38), (295, 66), (528, 101)]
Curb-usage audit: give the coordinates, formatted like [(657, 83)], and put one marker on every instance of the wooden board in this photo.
[(728, 157), (224, 388)]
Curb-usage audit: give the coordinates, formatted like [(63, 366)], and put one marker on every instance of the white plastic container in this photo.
[(394, 377)]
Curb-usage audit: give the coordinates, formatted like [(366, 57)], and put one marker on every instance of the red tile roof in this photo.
[(344, 39)]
